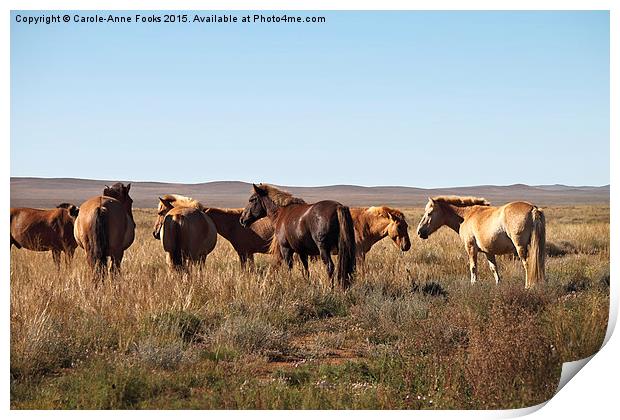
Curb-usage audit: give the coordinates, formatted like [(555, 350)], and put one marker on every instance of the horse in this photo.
[(105, 228), (492, 231), (245, 241), (186, 232), (305, 229), (45, 230), (375, 223)]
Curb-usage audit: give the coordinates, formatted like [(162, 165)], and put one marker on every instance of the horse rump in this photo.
[(536, 252), (346, 246)]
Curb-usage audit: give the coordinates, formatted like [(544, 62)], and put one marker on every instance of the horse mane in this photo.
[(177, 200), (236, 211), (385, 211), (462, 201), (279, 197)]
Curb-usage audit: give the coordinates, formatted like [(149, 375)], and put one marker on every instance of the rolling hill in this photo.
[(48, 192)]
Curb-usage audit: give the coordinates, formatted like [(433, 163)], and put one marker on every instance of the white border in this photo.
[(593, 393)]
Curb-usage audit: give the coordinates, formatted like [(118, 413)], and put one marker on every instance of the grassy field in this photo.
[(411, 333)]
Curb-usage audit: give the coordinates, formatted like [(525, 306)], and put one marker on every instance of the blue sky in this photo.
[(428, 99)]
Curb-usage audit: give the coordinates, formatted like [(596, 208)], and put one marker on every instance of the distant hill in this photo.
[(48, 192)]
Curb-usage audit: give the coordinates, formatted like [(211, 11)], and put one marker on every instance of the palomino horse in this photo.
[(375, 223), (245, 241), (186, 232), (45, 230), (492, 231), (105, 228), (306, 229)]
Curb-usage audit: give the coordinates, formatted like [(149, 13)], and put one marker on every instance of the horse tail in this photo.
[(536, 252), (99, 242), (175, 244), (346, 246)]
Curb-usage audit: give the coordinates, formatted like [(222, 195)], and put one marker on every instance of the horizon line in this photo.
[(319, 186)]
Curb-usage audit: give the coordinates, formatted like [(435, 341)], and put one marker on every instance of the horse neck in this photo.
[(273, 210), (223, 221), (454, 216), (376, 227)]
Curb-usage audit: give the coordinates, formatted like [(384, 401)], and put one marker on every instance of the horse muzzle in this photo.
[(423, 234), (156, 234)]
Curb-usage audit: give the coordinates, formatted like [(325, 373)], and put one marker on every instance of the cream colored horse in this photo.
[(186, 232), (375, 223), (492, 231)]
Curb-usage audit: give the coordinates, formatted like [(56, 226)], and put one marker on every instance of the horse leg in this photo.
[(304, 262), (56, 257), (472, 252), (522, 252), (69, 256), (287, 254), (243, 258), (493, 267), (117, 258), (329, 264)]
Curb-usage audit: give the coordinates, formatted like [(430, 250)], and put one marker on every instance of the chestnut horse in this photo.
[(306, 229), (45, 230), (375, 223), (105, 228), (186, 232), (245, 241), (492, 231)]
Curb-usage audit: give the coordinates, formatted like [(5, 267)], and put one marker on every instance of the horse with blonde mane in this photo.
[(492, 231), (245, 241), (105, 228), (306, 229), (184, 229)]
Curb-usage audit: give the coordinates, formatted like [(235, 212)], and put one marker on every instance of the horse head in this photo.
[(398, 230), (432, 220), (165, 205), (256, 208), (71, 208)]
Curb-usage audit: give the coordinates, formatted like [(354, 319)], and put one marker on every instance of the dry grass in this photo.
[(410, 333)]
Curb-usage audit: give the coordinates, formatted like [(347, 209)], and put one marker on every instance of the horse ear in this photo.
[(164, 202), (430, 200), (128, 187), (258, 190)]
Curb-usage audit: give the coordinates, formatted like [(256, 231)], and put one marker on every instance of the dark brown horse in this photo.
[(105, 228), (306, 229), (45, 230), (245, 241)]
